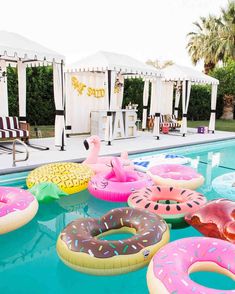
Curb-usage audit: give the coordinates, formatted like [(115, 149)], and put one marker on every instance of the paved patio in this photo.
[(75, 150)]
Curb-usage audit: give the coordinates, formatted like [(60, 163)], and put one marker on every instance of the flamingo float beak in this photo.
[(86, 144)]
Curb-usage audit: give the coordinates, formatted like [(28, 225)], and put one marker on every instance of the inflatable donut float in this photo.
[(215, 219), (170, 203), (70, 177), (17, 208), (118, 184), (146, 162), (224, 185), (80, 248), (176, 175), (169, 270)]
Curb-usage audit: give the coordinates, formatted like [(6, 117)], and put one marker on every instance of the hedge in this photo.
[(40, 107), (40, 102)]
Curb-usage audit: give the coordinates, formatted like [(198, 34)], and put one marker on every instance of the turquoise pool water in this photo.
[(28, 259)]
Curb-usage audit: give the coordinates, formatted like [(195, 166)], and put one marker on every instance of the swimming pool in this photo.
[(28, 259)]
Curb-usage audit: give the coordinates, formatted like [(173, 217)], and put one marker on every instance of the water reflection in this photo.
[(38, 238), (133, 282)]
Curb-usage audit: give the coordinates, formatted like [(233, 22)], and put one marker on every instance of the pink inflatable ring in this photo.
[(170, 203), (169, 269), (118, 184), (176, 175), (17, 208)]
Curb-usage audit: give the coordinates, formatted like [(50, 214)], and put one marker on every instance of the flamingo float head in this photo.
[(91, 140)]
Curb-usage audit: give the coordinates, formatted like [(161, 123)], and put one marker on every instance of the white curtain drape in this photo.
[(68, 104), (58, 81), (21, 69), (80, 101), (186, 89), (3, 91), (145, 103), (167, 97), (156, 95), (177, 99), (153, 99), (213, 108)]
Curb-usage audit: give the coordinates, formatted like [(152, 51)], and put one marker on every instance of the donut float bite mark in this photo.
[(79, 246), (215, 219)]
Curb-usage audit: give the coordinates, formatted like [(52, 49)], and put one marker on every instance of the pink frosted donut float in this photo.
[(169, 269), (176, 175), (17, 208), (170, 203), (118, 184)]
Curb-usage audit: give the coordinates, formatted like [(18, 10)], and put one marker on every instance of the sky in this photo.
[(143, 29)]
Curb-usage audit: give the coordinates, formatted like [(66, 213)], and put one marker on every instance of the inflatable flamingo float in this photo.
[(117, 184), (101, 163)]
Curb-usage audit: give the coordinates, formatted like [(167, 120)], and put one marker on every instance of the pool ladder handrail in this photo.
[(14, 151)]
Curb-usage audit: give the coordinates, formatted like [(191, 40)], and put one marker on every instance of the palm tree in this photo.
[(203, 43), (214, 38), (227, 32)]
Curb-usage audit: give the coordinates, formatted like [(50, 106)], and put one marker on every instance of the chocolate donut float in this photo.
[(79, 245)]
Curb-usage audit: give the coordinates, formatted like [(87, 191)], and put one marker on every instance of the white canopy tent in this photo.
[(16, 50), (185, 77), (114, 67)]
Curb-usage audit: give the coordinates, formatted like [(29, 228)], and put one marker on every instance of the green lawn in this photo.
[(44, 131), (220, 125)]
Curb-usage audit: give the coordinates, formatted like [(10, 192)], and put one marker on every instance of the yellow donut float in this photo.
[(79, 245), (70, 177)]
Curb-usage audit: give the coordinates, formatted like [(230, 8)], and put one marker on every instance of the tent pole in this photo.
[(186, 95), (109, 114), (62, 89)]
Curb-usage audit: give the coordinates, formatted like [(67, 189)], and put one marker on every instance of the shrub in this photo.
[(226, 76), (133, 92), (40, 109)]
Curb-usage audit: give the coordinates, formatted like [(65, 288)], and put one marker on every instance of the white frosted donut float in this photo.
[(176, 175), (224, 185), (169, 269), (146, 162), (17, 208)]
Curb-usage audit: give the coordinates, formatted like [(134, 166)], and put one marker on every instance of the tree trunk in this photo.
[(208, 66), (228, 108)]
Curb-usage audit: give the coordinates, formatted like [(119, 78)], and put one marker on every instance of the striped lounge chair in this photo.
[(11, 128), (170, 120)]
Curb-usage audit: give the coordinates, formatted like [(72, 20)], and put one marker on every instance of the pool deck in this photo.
[(76, 152)]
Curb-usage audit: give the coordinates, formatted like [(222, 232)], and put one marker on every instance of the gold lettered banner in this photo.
[(81, 88), (116, 89)]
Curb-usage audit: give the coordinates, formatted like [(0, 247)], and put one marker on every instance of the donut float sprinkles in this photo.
[(168, 271), (80, 248), (176, 175), (70, 177), (170, 203), (17, 208)]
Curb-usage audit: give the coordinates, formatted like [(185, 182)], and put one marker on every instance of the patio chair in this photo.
[(11, 128), (170, 120)]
